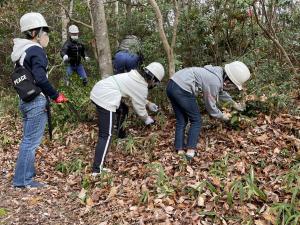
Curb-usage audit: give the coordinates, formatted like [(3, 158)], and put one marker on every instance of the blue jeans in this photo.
[(186, 110), (125, 61), (78, 69), (34, 122)]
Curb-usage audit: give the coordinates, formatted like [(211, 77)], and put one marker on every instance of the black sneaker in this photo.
[(122, 134), (84, 81)]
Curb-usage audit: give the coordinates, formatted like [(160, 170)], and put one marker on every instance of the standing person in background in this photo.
[(183, 88), (29, 52), (107, 95), (128, 57), (72, 52)]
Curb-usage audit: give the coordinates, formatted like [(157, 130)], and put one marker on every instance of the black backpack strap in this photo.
[(17, 63)]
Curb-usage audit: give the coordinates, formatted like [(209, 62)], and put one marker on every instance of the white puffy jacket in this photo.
[(108, 92)]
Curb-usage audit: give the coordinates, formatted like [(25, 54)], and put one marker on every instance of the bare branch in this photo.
[(74, 20), (274, 40)]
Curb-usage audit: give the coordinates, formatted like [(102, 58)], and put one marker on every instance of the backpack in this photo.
[(24, 83)]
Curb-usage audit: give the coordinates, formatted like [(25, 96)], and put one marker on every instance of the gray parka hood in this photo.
[(20, 46)]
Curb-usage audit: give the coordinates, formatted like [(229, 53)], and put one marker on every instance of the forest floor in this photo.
[(239, 176)]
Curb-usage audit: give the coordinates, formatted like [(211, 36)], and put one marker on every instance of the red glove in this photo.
[(61, 98)]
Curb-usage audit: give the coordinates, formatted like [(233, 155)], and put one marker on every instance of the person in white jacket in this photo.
[(183, 88), (107, 95)]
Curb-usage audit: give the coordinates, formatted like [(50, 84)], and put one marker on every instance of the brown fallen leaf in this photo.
[(190, 170), (169, 209), (82, 194), (113, 192), (263, 138), (216, 181), (267, 215), (104, 223), (96, 194), (34, 200), (260, 222), (89, 202), (201, 200), (276, 150), (241, 166)]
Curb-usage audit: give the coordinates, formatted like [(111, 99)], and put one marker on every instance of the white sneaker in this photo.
[(95, 174), (190, 153), (107, 170)]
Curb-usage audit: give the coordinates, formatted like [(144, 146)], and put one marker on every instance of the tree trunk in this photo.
[(168, 49), (65, 20), (93, 41), (101, 35), (272, 36), (128, 9), (116, 12)]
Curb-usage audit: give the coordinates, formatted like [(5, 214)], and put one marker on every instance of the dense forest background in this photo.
[(247, 171)]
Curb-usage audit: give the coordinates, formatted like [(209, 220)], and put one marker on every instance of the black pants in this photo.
[(121, 115), (105, 123)]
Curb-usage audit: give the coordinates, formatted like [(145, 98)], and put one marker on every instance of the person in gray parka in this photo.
[(183, 88)]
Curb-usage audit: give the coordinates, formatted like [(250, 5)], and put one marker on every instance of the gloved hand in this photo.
[(149, 121), (87, 58), (65, 58), (152, 107), (225, 117), (238, 106), (61, 98)]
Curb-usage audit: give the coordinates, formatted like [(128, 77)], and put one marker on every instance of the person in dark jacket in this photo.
[(128, 57), (72, 52), (29, 52)]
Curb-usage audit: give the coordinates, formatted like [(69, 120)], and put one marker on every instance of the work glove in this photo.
[(61, 98), (87, 58), (65, 58), (225, 118), (238, 106), (152, 107), (149, 121)]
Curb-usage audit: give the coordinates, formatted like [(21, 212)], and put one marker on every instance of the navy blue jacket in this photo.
[(36, 61)]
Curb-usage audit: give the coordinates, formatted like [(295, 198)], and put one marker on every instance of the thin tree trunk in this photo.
[(101, 35), (273, 38), (93, 41), (116, 11), (128, 9), (169, 49), (65, 21)]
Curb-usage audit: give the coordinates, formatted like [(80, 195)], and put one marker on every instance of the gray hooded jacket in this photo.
[(209, 80)]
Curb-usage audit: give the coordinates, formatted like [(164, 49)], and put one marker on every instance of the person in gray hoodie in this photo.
[(182, 90), (30, 54)]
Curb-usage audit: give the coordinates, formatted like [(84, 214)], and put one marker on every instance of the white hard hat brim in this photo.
[(231, 77)]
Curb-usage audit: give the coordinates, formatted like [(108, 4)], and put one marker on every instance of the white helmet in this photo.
[(157, 70), (73, 29), (238, 73), (31, 21)]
